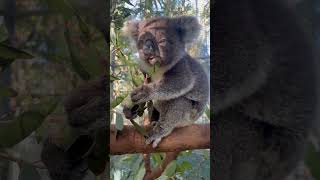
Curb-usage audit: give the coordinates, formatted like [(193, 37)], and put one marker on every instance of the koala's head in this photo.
[(163, 39)]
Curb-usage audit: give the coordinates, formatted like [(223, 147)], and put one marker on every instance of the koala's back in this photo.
[(264, 63), (200, 91), (264, 94)]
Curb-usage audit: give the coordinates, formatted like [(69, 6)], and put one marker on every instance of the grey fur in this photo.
[(264, 96), (180, 88)]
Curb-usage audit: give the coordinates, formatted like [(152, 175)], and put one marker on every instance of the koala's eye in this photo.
[(162, 42)]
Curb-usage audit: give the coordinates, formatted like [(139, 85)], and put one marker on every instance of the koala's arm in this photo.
[(175, 83), (172, 86), (230, 87)]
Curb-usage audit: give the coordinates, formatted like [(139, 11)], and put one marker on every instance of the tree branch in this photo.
[(196, 136)]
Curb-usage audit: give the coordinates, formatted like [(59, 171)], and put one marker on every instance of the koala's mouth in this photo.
[(152, 59)]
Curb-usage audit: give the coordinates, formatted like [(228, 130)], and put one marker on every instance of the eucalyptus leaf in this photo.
[(185, 165), (8, 52), (28, 172), (119, 122), (15, 131), (7, 92), (156, 157), (75, 61), (207, 112), (20, 127), (170, 169), (113, 78), (98, 158), (61, 7), (163, 177), (84, 27), (118, 100), (140, 173), (154, 69)]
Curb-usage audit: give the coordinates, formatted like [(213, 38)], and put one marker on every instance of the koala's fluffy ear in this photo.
[(188, 27), (131, 29)]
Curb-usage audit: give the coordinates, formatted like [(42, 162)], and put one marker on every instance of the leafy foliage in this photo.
[(54, 41)]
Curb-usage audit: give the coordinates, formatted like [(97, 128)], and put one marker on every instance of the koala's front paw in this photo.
[(130, 112), (141, 94)]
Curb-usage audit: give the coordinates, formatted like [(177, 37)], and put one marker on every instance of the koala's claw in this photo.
[(153, 139), (153, 123)]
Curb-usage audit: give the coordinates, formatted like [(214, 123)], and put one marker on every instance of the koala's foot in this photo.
[(156, 134)]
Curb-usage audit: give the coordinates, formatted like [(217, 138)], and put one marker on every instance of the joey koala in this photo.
[(264, 90), (179, 89)]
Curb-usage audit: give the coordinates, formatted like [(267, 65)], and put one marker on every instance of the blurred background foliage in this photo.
[(123, 68), (47, 48)]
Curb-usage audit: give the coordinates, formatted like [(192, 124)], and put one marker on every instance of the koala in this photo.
[(179, 89), (263, 90)]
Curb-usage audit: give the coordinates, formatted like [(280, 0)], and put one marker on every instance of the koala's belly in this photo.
[(187, 109)]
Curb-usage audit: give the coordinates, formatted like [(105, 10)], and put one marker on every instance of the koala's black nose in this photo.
[(148, 48)]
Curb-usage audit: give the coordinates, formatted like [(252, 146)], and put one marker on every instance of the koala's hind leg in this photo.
[(173, 113), (246, 149)]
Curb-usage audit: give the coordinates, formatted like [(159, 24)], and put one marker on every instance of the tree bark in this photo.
[(129, 141)]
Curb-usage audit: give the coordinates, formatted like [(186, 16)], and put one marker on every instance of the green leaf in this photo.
[(140, 173), (119, 122), (312, 161), (7, 92), (8, 52), (97, 160), (185, 165), (28, 172), (91, 60), (75, 61), (15, 131), (136, 80), (163, 177), (61, 7), (118, 100), (113, 78), (155, 68), (84, 27), (207, 111), (46, 106), (156, 158), (170, 169)]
